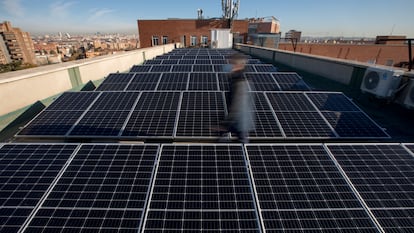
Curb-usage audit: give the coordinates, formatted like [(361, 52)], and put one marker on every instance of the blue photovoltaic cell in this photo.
[(290, 102), (119, 78), (203, 81), (261, 82), (154, 115), (144, 81), (299, 189), (383, 176), (142, 68), (354, 124), (182, 68), (173, 81), (100, 123), (202, 188), (161, 68), (51, 123), (266, 125), (382, 173), (170, 62), (265, 68), (26, 172), (224, 81), (200, 113), (114, 101), (304, 125), (290, 82), (187, 61), (104, 189), (152, 62), (73, 101), (332, 102), (202, 68)]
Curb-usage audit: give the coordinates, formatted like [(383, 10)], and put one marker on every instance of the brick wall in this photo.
[(381, 54)]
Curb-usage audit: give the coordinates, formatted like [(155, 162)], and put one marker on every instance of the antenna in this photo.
[(392, 29), (230, 10)]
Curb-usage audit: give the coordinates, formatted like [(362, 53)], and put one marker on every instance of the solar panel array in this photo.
[(204, 187), (207, 187), (195, 114)]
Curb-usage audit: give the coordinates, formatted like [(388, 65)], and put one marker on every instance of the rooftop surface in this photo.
[(140, 154)]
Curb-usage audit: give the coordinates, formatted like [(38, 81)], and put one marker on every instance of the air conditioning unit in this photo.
[(408, 99), (381, 82)]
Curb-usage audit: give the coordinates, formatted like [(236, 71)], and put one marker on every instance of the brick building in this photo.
[(188, 32), (19, 44)]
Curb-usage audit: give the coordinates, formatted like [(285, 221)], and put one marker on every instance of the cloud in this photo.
[(97, 13), (60, 9), (13, 7)]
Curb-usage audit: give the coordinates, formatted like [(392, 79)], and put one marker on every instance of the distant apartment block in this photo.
[(15, 45), (188, 32), (264, 32)]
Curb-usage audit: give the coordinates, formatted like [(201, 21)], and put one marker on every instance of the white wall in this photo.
[(21, 88)]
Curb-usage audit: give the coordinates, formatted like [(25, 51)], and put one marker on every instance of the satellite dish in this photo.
[(371, 80)]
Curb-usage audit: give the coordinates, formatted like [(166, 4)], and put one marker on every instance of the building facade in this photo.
[(264, 32), (19, 45), (188, 32), (293, 34)]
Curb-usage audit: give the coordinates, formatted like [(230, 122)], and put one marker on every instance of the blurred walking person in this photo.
[(240, 104)]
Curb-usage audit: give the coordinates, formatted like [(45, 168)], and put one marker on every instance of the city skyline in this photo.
[(321, 18)]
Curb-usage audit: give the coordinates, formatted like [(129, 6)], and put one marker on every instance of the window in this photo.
[(204, 40), (193, 41), (155, 41), (165, 40)]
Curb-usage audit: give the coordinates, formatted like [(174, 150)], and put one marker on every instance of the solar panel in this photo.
[(382, 173), (265, 68), (51, 123), (202, 68), (203, 81), (200, 113), (383, 176), (187, 61), (345, 117), (169, 62), (152, 62), (219, 62), (205, 62), (119, 78), (115, 101), (297, 116), (261, 82), (224, 81), (266, 125), (112, 87), (100, 123), (154, 115), (290, 82), (144, 81), (300, 189), (173, 81), (354, 124), (104, 189), (161, 68), (182, 68), (73, 101), (332, 102), (26, 173), (202, 188), (290, 101), (142, 68)]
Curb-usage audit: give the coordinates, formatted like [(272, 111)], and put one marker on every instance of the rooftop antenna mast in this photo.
[(230, 10)]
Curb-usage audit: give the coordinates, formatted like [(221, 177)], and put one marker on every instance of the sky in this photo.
[(348, 18)]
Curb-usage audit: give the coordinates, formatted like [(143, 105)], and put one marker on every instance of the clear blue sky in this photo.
[(366, 18)]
